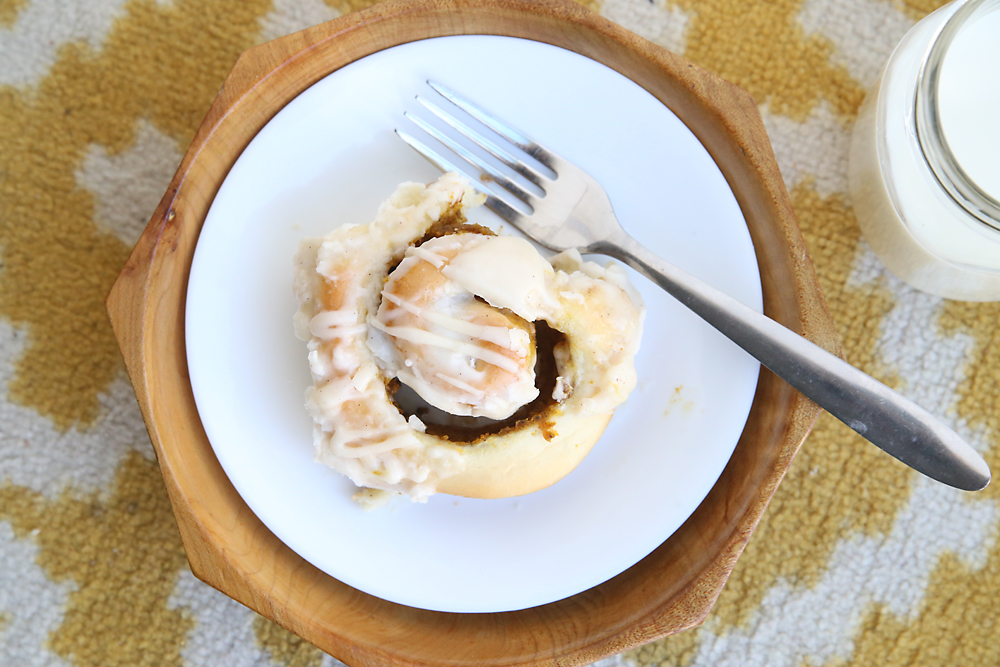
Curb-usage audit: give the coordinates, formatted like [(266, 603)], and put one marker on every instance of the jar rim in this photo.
[(930, 133)]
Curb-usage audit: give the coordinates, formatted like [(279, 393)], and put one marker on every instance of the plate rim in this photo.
[(203, 347), (221, 537)]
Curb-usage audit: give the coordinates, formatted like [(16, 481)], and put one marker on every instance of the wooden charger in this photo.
[(229, 548)]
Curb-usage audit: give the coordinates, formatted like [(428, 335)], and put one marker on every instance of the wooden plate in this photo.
[(670, 590)]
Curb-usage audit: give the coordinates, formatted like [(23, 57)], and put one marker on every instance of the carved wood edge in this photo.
[(256, 65)]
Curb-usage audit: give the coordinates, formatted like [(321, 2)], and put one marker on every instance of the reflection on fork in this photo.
[(572, 210)]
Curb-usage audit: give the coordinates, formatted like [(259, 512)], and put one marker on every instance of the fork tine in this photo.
[(512, 161), (499, 206), (474, 159), (527, 145), (443, 163)]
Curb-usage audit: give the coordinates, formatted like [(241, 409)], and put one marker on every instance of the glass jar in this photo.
[(925, 155)]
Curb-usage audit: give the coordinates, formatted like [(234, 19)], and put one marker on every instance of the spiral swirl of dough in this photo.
[(454, 321), (459, 353)]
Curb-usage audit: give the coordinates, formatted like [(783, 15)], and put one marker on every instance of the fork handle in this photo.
[(879, 414)]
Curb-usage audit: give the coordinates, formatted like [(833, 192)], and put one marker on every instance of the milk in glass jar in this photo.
[(925, 155)]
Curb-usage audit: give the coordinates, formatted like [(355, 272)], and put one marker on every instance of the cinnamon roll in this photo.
[(448, 359)]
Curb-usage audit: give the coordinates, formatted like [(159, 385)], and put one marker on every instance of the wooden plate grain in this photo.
[(670, 590)]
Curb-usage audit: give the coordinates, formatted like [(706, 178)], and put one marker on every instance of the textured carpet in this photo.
[(857, 560)]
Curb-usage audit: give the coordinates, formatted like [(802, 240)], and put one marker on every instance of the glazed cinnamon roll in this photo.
[(448, 359)]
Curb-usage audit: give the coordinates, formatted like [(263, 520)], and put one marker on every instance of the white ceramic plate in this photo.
[(330, 157)]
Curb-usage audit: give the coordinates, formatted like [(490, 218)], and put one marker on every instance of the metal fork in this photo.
[(574, 211)]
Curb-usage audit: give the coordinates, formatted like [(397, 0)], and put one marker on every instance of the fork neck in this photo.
[(618, 245)]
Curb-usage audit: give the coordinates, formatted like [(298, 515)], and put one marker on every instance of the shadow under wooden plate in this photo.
[(671, 589)]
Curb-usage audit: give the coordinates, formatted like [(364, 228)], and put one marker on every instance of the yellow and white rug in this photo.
[(857, 561)]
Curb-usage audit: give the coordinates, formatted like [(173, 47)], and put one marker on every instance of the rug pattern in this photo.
[(857, 561)]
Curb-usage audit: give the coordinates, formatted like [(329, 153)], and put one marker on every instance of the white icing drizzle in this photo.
[(375, 442), (423, 337), (477, 394), (475, 358), (439, 327), (357, 430), (430, 392), (330, 324), (436, 260), (501, 336)]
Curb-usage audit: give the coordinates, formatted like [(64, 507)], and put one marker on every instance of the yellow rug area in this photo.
[(858, 561)]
